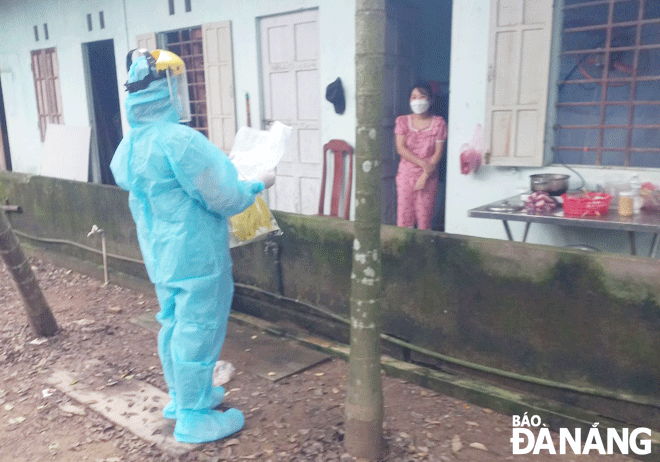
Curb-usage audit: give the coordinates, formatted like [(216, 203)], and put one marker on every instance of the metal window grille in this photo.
[(608, 98), (187, 43), (45, 69)]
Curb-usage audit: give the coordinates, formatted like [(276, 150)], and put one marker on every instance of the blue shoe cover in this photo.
[(207, 425), (169, 411)]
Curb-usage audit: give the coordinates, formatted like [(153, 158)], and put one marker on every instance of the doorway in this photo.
[(418, 45), (103, 106), (5, 158)]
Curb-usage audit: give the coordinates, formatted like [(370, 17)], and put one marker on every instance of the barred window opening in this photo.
[(187, 43), (608, 103)]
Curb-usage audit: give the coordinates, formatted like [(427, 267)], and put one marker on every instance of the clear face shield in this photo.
[(164, 64), (178, 86)]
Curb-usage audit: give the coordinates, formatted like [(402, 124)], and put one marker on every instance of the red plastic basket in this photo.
[(587, 204)]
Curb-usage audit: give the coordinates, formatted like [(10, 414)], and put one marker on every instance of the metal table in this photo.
[(641, 222)]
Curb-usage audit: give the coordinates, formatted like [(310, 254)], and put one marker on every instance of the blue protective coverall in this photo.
[(182, 189)]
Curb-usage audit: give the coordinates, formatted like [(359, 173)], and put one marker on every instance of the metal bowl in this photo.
[(554, 184)]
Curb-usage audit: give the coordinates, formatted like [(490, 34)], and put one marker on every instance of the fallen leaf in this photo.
[(478, 446), (456, 444), (71, 409)]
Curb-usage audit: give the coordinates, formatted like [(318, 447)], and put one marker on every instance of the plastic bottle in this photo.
[(626, 206), (636, 187)]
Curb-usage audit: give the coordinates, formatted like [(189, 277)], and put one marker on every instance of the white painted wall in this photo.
[(470, 22), (67, 30), (124, 19)]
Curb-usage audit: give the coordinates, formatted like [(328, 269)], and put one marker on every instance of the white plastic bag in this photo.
[(223, 372), (254, 153), (258, 151)]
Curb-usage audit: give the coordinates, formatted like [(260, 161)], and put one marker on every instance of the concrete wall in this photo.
[(568, 316), (469, 54)]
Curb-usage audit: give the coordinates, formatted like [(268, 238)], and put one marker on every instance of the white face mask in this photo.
[(419, 106)]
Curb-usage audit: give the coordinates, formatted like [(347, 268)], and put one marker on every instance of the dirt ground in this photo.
[(299, 418)]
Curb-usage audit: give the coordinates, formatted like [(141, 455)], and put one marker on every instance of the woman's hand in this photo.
[(421, 181), (428, 167)]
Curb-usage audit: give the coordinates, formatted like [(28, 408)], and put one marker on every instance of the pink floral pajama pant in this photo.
[(415, 206)]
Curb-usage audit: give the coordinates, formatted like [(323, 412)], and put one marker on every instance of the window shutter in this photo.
[(517, 87), (219, 78), (147, 41)]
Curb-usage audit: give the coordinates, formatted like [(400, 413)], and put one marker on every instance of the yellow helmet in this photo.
[(166, 60), (164, 64)]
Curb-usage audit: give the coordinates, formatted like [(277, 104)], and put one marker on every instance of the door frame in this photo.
[(5, 157), (94, 161)]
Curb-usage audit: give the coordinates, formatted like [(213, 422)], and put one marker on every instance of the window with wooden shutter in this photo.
[(207, 52), (518, 76), (45, 70), (146, 41)]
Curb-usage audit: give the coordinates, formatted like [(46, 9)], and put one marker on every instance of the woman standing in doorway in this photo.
[(420, 139)]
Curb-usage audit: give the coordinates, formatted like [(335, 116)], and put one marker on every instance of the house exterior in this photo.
[(586, 318), (537, 69), (531, 73), (248, 63)]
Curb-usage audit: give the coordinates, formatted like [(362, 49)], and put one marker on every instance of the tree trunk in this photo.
[(364, 397), (39, 315)]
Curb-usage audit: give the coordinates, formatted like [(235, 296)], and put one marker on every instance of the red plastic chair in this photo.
[(340, 149)]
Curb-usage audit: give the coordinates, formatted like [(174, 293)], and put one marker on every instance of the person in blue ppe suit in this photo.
[(182, 189)]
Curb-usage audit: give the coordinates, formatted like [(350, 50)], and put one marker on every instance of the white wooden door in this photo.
[(291, 94), (219, 79)]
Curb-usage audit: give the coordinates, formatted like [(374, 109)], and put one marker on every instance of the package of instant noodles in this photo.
[(254, 153)]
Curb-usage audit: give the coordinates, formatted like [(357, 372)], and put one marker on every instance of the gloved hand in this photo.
[(256, 187), (268, 178)]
